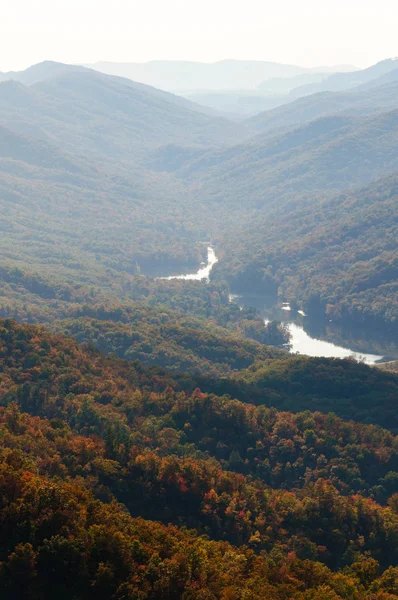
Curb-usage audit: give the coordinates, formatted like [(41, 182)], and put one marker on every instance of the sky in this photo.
[(303, 32)]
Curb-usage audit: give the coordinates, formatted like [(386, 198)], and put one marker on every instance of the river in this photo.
[(302, 341), (202, 273), (308, 336)]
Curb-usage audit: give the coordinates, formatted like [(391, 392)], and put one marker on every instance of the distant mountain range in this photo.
[(362, 100), (82, 108), (36, 73), (241, 89), (344, 81), (185, 76)]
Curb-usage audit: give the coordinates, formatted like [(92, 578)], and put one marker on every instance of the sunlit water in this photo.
[(301, 341), (202, 273), (304, 344)]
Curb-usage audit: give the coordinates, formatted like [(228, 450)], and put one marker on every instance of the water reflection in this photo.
[(304, 344), (317, 338)]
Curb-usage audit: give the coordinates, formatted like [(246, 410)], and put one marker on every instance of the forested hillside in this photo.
[(194, 313), (72, 146), (180, 325), (102, 179), (156, 440), (103, 193), (84, 209), (333, 257), (80, 431), (345, 81), (86, 110), (362, 101), (331, 153)]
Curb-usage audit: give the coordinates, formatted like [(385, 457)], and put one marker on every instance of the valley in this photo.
[(199, 332), (308, 336)]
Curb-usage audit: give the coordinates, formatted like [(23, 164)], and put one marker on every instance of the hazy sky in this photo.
[(304, 32)]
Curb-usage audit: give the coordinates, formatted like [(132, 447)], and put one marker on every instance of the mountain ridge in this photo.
[(191, 75), (343, 81)]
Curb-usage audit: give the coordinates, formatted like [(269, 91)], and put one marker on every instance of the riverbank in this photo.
[(309, 336)]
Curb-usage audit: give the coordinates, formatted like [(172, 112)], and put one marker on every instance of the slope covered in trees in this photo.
[(178, 344), (331, 153), (92, 550), (72, 175), (193, 459), (164, 323), (82, 108), (344, 81), (67, 215), (377, 96), (335, 257), (50, 375), (183, 326), (242, 442), (150, 190), (50, 198)]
